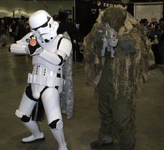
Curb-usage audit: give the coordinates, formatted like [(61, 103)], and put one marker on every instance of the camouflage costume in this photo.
[(119, 79), (67, 96)]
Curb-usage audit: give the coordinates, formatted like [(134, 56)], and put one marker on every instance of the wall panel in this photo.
[(148, 11)]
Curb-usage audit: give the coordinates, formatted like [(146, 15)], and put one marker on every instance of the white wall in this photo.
[(28, 7), (148, 10)]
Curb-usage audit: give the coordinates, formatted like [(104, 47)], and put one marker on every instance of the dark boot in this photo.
[(127, 144), (102, 141)]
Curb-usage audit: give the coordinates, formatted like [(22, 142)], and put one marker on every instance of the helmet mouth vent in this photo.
[(46, 40)]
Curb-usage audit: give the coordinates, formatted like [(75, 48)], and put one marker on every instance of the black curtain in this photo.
[(86, 15), (163, 10), (130, 9)]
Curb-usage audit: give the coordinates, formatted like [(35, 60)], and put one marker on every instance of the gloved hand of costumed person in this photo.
[(34, 47)]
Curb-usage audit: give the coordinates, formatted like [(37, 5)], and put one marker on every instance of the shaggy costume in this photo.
[(118, 79)]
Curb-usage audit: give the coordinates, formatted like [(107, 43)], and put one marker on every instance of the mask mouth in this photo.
[(46, 40)]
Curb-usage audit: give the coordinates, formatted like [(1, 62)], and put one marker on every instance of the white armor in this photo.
[(46, 80)]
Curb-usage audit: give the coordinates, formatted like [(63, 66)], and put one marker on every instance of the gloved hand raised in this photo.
[(34, 47)]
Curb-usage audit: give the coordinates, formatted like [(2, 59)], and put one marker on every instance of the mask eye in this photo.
[(42, 26), (35, 28)]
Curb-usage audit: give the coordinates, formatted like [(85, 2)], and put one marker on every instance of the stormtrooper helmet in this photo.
[(43, 26)]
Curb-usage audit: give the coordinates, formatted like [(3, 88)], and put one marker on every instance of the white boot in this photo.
[(34, 129), (59, 136)]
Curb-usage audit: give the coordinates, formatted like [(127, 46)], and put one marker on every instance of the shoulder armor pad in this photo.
[(65, 46)]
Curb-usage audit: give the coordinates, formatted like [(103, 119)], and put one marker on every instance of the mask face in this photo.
[(43, 32), (43, 26)]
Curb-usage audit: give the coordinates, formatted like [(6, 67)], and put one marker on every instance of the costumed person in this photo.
[(117, 57), (49, 51)]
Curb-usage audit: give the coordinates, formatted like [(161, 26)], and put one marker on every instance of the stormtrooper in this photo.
[(49, 52)]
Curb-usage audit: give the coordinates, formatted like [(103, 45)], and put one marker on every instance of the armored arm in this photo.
[(18, 49), (21, 46), (61, 54)]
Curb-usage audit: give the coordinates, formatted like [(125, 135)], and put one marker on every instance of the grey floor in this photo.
[(83, 127)]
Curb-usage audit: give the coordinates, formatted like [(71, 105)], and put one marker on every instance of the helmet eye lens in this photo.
[(42, 26)]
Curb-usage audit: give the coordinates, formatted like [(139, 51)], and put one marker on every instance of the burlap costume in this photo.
[(118, 80)]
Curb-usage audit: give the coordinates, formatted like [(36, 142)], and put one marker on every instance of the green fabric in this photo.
[(111, 111)]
